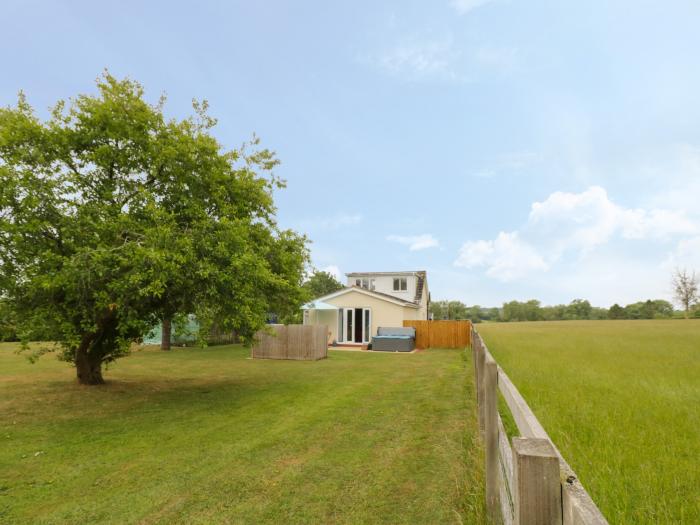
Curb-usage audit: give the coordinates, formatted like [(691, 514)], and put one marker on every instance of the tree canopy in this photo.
[(321, 283), (532, 310), (113, 217), (685, 289)]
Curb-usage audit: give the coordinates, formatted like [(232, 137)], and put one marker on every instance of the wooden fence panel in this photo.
[(297, 342), (441, 334)]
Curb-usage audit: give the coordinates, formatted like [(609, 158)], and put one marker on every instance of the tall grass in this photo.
[(621, 400)]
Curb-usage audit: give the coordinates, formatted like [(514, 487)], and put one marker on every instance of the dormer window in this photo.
[(367, 284), (400, 284)]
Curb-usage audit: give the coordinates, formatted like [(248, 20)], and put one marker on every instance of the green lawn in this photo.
[(621, 400), (210, 436)]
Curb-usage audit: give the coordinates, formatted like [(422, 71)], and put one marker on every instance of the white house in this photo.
[(370, 300)]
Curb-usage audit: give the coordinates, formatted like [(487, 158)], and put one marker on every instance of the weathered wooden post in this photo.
[(473, 344), (537, 488), (480, 360), (490, 391)]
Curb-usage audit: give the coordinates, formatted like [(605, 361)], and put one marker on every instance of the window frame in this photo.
[(402, 284)]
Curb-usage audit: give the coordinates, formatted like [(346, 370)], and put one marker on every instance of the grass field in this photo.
[(621, 400), (209, 436)]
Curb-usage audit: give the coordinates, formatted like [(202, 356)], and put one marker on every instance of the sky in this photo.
[(513, 149)]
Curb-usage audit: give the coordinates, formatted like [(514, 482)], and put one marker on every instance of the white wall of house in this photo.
[(385, 284), (384, 313), (327, 317)]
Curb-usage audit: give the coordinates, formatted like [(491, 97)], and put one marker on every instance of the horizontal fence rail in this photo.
[(441, 334), (527, 481)]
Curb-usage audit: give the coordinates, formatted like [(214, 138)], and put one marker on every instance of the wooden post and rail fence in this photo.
[(528, 482)]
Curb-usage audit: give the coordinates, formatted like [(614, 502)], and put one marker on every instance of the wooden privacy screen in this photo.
[(294, 341), (441, 334)]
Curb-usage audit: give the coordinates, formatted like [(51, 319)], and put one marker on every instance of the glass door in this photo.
[(340, 333), (366, 325), (349, 325)]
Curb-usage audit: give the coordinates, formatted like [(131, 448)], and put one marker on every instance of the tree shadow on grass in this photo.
[(65, 399)]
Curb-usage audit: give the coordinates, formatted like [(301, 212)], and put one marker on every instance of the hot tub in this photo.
[(398, 339)]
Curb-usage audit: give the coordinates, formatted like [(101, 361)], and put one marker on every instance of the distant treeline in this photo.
[(578, 309)]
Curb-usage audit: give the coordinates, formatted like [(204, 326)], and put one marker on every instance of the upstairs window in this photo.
[(367, 284), (400, 284)]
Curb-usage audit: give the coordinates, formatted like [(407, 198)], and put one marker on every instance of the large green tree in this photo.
[(113, 217)]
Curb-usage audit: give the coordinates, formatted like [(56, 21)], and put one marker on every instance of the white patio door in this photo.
[(366, 325), (354, 325), (349, 325)]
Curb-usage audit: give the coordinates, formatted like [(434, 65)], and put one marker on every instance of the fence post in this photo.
[(480, 360), (536, 482), (490, 391), (476, 370)]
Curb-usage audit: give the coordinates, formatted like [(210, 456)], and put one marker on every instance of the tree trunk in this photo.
[(166, 331), (89, 368)]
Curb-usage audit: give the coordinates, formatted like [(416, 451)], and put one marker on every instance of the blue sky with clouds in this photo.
[(514, 149)]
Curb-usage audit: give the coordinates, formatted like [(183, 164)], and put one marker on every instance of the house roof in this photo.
[(420, 284), (358, 274), (318, 305), (371, 293)]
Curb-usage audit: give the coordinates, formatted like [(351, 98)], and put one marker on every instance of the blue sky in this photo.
[(515, 150)]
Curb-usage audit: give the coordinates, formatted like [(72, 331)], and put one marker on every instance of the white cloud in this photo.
[(588, 219), (334, 271), (419, 59), (573, 224), (415, 242), (506, 258), (465, 6), (685, 255)]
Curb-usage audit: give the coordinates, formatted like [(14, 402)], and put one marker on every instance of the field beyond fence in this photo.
[(620, 401), (294, 341), (441, 334), (528, 482)]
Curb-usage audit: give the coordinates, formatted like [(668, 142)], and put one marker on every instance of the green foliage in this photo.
[(616, 312), (113, 217), (521, 311), (442, 310), (649, 309), (578, 309), (8, 325), (321, 283), (532, 310), (449, 310)]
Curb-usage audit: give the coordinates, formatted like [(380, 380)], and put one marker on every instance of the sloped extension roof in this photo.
[(318, 305), (377, 295)]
